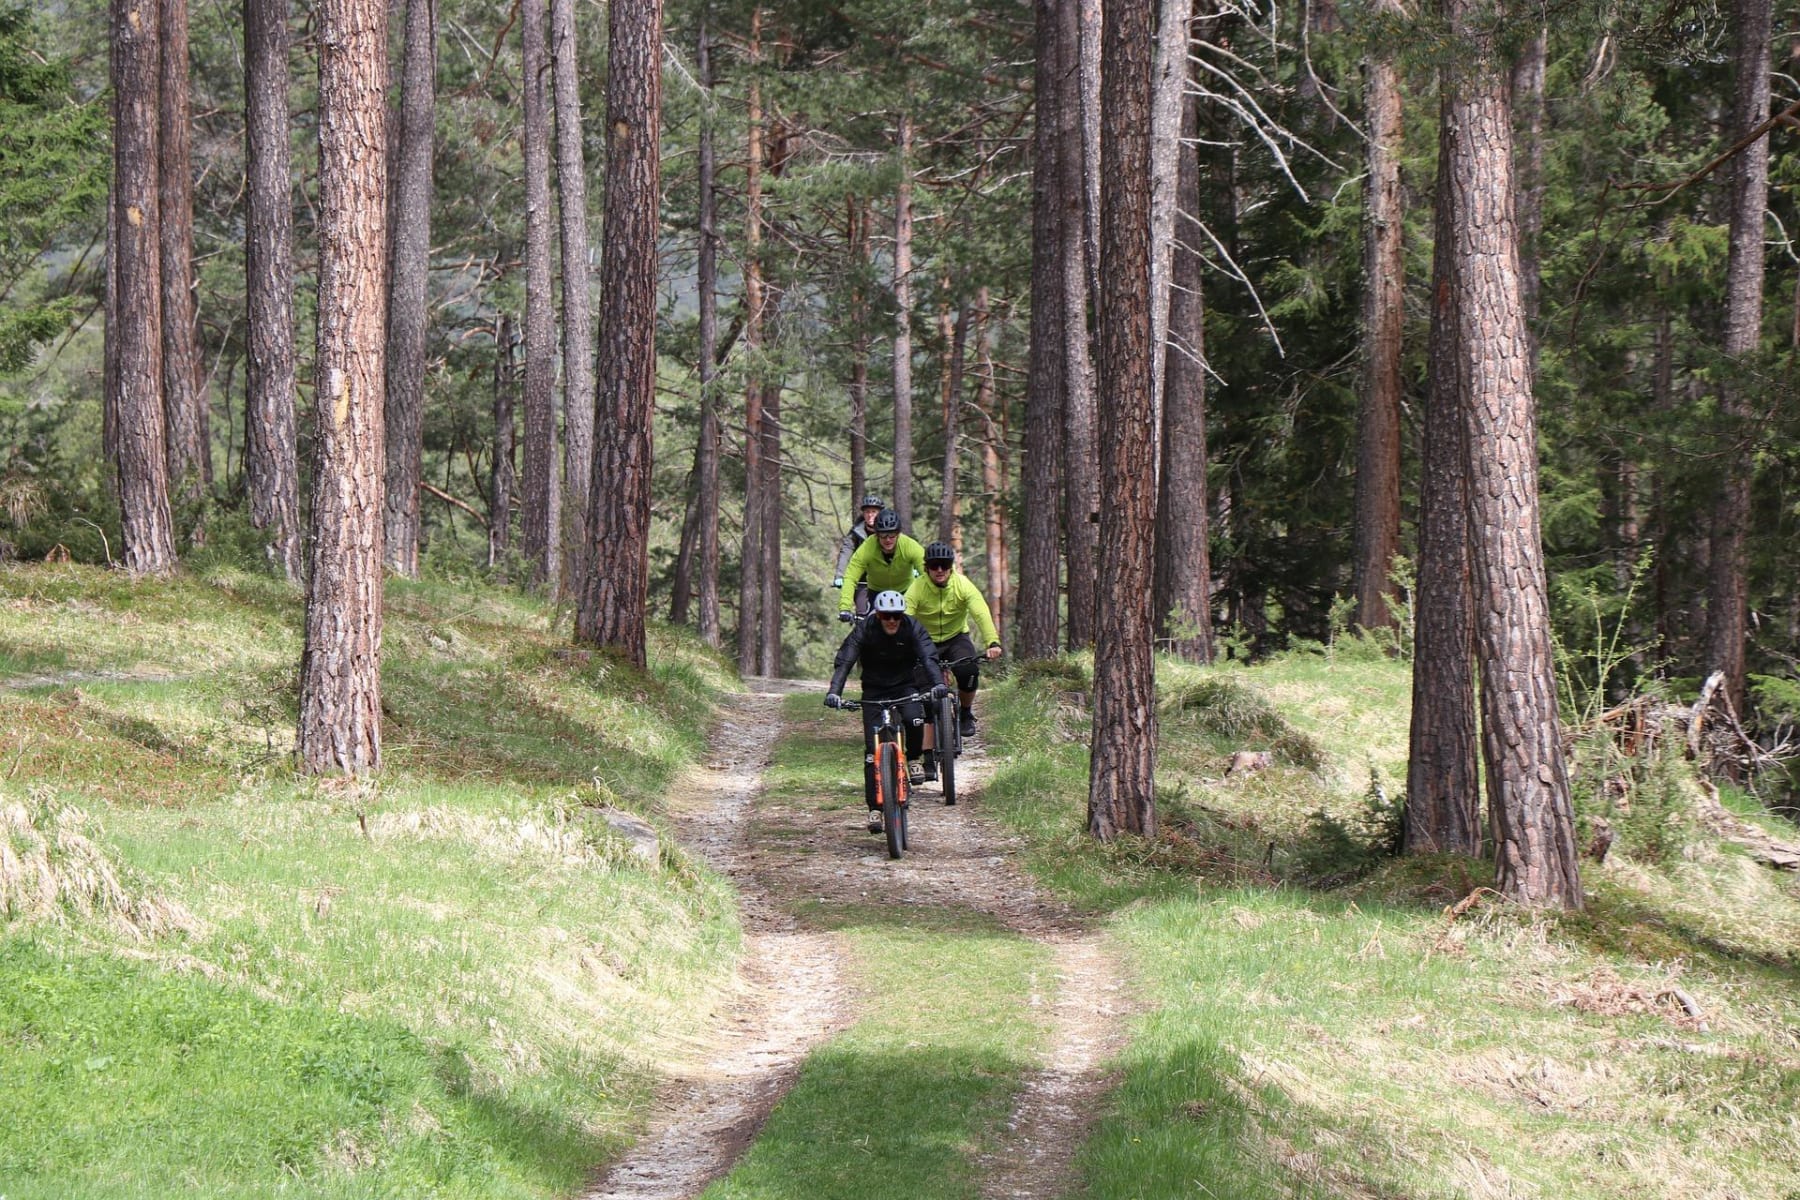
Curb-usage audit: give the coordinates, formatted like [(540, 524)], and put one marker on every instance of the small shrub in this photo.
[(1337, 850)]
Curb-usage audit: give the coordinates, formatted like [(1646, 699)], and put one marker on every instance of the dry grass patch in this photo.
[(51, 870)]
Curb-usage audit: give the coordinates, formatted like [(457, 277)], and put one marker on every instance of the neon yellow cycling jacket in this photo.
[(879, 571), (949, 610)]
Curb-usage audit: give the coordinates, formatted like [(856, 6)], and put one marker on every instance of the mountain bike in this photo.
[(947, 727), (891, 788)]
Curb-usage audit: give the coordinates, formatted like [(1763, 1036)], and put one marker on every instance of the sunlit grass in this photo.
[(1365, 1040), (450, 980)]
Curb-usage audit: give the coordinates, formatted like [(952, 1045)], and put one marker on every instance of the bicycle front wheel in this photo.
[(887, 757), (946, 740)]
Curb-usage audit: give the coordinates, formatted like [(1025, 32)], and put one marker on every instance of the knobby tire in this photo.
[(946, 747), (887, 757)]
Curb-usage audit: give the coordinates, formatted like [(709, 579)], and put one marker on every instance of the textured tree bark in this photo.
[(1174, 29), (858, 240), (993, 469), (1727, 601), (1041, 472), (707, 459), (271, 459), (578, 343), (955, 335), (501, 474), (1528, 156), (1122, 773), (1528, 791), (769, 643), (148, 532), (1377, 538), (749, 570), (903, 302), (540, 524), (1079, 174), (615, 590), (409, 264), (185, 416), (1183, 587), (340, 667), (1443, 788)]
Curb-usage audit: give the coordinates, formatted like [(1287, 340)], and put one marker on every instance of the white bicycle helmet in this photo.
[(890, 601)]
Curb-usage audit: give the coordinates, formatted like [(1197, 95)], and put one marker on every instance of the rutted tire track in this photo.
[(790, 996), (793, 995)]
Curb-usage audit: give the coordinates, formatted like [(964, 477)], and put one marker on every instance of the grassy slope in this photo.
[(1359, 1041), (449, 983)]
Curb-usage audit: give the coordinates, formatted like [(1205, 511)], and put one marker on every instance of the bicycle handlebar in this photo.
[(854, 705)]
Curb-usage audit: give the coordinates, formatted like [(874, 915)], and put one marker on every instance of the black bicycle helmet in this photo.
[(890, 601), (888, 521), (872, 501), (940, 552)]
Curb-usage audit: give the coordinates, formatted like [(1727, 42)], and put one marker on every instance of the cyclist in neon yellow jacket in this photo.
[(889, 561), (950, 607)]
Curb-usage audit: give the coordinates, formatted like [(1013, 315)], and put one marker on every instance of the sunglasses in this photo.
[(937, 566)]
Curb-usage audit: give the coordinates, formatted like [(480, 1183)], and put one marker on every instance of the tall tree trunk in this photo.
[(1528, 158), (1727, 601), (271, 459), (578, 343), (1183, 588), (409, 265), (769, 644), (681, 588), (858, 239), (1377, 538), (1528, 789), (1174, 28), (109, 342), (1121, 777), (750, 595), (502, 475), (615, 590), (540, 528), (1079, 174), (993, 474), (1443, 788), (949, 505), (706, 459), (1041, 482), (185, 413), (340, 667), (148, 532), (1086, 110), (903, 302)]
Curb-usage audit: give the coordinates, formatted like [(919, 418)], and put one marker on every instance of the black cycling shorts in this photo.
[(968, 675)]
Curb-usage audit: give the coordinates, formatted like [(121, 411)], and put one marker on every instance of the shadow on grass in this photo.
[(120, 1073)]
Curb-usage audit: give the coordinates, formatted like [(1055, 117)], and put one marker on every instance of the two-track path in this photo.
[(793, 989)]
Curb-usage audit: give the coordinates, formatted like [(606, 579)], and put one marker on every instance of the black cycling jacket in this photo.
[(887, 661)]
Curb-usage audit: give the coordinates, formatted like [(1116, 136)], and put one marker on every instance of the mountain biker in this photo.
[(887, 561), (859, 532), (889, 646), (947, 604)]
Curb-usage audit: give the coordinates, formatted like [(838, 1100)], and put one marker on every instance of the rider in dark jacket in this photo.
[(859, 532), (890, 646)]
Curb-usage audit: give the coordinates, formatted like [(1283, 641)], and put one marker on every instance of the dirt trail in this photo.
[(795, 995)]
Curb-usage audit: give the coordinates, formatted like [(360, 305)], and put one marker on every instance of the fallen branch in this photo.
[(457, 501)]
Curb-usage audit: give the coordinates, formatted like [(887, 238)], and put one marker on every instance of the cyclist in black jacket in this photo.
[(890, 646), (863, 529)]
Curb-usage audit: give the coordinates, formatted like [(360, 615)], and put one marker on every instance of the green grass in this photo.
[(1358, 1040), (448, 981), (903, 1102)]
